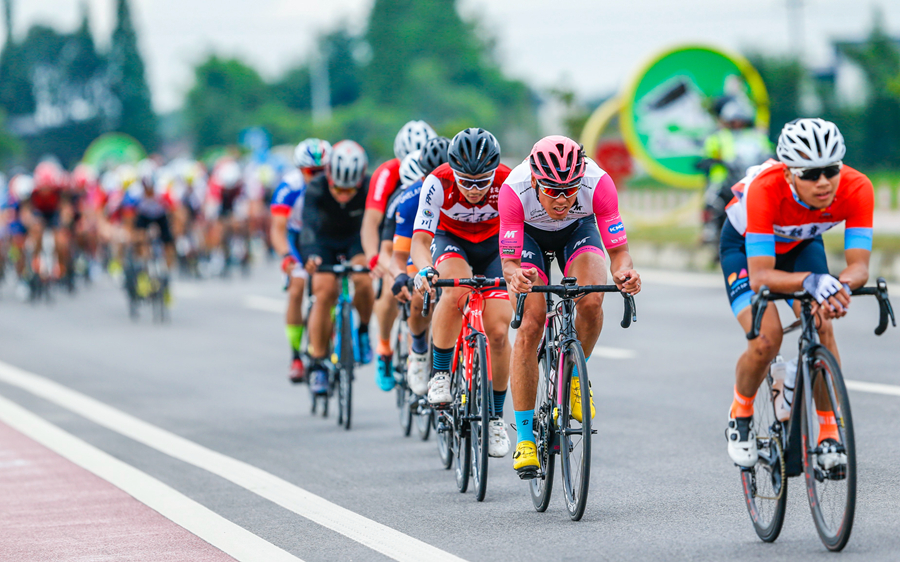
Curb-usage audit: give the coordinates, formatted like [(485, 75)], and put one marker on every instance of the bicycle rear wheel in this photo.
[(575, 436), (424, 422), (479, 426), (831, 491), (765, 484), (444, 430), (345, 369), (544, 435)]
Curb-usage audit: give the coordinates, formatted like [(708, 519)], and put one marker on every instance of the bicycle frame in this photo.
[(473, 323)]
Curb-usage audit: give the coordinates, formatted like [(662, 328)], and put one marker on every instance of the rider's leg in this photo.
[(497, 316), (294, 315), (386, 306), (524, 362), (325, 289), (364, 297), (590, 269), (447, 316), (753, 364)]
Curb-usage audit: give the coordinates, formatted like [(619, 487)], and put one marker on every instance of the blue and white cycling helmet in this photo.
[(312, 153), (410, 170)]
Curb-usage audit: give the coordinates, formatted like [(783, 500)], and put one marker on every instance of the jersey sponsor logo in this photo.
[(508, 242), (508, 251), (537, 213), (510, 234), (582, 241), (429, 194), (428, 213), (616, 227), (425, 224), (449, 248), (381, 184), (803, 231), (398, 218), (527, 254)]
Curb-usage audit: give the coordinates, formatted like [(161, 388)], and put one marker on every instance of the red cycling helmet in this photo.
[(557, 160)]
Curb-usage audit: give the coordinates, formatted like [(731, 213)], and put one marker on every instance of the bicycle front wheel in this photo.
[(574, 435), (346, 365), (461, 435), (765, 485), (479, 427), (423, 422), (544, 435), (830, 475)]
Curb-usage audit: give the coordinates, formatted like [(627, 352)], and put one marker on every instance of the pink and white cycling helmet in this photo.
[(557, 160)]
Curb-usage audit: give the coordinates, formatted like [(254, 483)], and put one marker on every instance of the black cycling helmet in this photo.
[(474, 152), (434, 153)]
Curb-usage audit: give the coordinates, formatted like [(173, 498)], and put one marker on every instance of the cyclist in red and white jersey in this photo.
[(456, 236), (383, 187), (557, 201)]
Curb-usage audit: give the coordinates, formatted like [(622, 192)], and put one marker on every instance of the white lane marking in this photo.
[(874, 387), (265, 304), (613, 352), (378, 537), (682, 278), (181, 510)]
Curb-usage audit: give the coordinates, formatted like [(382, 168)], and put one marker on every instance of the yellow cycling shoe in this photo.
[(525, 460), (575, 399)]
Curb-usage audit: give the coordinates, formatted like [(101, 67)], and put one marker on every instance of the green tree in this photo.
[(784, 79), (128, 81)]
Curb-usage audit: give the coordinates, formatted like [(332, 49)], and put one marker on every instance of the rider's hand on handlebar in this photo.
[(312, 264), (522, 280), (288, 262), (423, 280), (628, 281), (830, 294), (400, 290)]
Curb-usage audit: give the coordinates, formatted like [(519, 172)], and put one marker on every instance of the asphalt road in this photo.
[(662, 486)]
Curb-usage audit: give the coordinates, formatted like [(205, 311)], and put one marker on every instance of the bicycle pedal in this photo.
[(529, 473)]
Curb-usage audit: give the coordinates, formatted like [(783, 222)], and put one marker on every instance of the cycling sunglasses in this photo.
[(812, 174), (479, 184), (567, 190)]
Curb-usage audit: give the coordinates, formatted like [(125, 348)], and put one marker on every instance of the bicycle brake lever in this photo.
[(630, 311), (758, 305), (520, 306)]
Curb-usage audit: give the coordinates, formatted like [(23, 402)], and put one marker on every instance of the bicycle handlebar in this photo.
[(478, 282), (572, 290), (761, 301)]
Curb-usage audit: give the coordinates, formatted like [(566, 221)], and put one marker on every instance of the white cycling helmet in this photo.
[(410, 170), (21, 185), (312, 153), (810, 143), (228, 174), (347, 166), (412, 136)]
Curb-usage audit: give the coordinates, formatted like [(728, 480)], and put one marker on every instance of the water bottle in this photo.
[(784, 376)]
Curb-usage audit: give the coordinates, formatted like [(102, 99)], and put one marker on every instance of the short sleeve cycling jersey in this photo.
[(384, 181), (325, 218), (288, 199), (773, 220), (405, 216), (442, 206), (519, 206)]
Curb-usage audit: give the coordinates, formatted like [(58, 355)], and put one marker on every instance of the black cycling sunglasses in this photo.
[(812, 174)]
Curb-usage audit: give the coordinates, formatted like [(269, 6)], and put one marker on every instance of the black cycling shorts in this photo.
[(330, 250), (483, 257), (808, 255), (143, 222), (577, 238)]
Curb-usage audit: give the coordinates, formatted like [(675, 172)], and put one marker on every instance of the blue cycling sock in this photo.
[(441, 359), (420, 342), (575, 369), (524, 431), (499, 398)]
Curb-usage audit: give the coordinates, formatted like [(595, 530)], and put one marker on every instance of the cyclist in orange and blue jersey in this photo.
[(773, 237)]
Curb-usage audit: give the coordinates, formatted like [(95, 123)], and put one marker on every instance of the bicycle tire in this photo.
[(346, 365), (576, 469), (765, 485), (405, 408), (444, 439), (544, 434), (423, 423), (459, 409), (479, 426), (834, 528)]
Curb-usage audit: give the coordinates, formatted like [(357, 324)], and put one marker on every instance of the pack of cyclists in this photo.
[(448, 209)]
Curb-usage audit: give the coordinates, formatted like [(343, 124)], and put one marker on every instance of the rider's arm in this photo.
[(278, 233), (376, 201), (612, 230), (512, 240), (858, 234), (427, 218), (370, 235)]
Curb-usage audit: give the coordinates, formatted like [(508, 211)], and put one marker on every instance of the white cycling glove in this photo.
[(821, 286)]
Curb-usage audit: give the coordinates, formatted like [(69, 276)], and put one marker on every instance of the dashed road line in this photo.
[(873, 387), (374, 535), (613, 352), (221, 533)]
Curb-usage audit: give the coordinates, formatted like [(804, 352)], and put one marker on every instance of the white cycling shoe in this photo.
[(742, 442), (498, 440), (439, 388), (830, 457), (417, 372)]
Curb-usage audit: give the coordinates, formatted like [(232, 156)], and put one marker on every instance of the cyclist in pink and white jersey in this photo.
[(557, 201)]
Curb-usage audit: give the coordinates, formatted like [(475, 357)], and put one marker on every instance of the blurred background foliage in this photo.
[(414, 59)]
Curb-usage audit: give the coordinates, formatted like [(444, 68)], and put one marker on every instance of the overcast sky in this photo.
[(592, 46)]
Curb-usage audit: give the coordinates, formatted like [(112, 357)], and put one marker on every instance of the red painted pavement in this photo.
[(52, 509)]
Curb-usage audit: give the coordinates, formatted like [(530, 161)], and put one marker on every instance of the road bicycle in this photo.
[(790, 448), (556, 432), (463, 425), (413, 409), (147, 278), (343, 348)]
